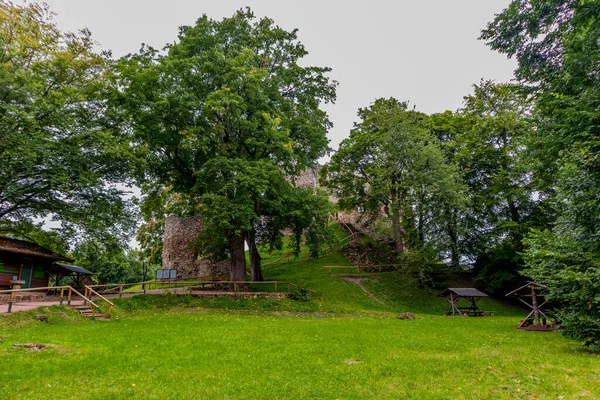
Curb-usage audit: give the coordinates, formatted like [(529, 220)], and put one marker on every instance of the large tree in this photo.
[(393, 165), (224, 114), (59, 157), (504, 205), (557, 45)]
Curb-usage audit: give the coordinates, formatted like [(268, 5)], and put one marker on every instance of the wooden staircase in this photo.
[(88, 312)]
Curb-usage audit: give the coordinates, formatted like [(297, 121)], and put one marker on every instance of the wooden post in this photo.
[(69, 297), (275, 286), (120, 291), (10, 301), (62, 295), (235, 287), (536, 311)]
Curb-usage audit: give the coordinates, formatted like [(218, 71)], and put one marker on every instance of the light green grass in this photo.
[(342, 344), (198, 354)]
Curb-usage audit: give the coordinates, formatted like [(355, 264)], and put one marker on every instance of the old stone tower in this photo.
[(180, 252)]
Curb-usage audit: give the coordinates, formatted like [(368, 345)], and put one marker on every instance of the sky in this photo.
[(422, 51)]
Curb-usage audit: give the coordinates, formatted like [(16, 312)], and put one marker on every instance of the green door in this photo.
[(26, 273)]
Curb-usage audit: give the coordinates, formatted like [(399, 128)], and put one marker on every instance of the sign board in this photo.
[(166, 274)]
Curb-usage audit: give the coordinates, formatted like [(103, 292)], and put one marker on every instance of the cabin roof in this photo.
[(72, 268), (464, 292), (23, 247)]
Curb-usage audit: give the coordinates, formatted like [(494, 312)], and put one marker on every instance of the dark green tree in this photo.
[(503, 203), (557, 46), (392, 165), (224, 115)]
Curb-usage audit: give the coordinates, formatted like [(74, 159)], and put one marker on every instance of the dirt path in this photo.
[(358, 282)]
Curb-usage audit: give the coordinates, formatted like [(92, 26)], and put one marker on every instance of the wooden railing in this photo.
[(189, 285), (67, 292), (88, 294), (70, 291), (379, 267)]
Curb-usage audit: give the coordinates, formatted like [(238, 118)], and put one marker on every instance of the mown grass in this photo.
[(226, 354), (342, 344)]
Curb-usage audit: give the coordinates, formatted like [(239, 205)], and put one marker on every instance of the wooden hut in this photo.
[(25, 264), (463, 301)]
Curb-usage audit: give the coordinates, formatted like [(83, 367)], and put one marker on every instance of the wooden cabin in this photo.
[(26, 262)]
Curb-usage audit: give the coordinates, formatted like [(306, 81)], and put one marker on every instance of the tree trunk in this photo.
[(255, 258), (238, 256), (398, 233), (453, 237)]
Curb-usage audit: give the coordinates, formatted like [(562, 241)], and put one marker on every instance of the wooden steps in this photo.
[(88, 312)]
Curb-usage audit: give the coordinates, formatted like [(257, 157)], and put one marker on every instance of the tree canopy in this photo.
[(393, 165), (557, 43), (224, 115), (59, 158)]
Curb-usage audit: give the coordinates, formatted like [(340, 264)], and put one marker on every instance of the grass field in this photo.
[(344, 344)]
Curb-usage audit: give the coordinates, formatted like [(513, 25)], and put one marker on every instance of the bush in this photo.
[(571, 270), (424, 266), (301, 294)]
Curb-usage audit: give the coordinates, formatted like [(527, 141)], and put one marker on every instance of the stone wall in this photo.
[(181, 254)]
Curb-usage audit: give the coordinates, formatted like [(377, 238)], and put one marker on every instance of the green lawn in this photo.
[(341, 345)]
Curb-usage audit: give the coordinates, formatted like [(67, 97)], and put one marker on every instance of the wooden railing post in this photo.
[(235, 287), (62, 296), (10, 301), (70, 295), (120, 291), (275, 286)]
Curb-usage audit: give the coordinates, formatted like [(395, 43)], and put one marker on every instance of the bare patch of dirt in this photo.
[(33, 346)]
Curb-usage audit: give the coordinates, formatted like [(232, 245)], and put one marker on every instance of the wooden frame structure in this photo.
[(533, 322), (471, 295)]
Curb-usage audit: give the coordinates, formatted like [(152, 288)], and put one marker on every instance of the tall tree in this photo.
[(59, 157), (224, 115), (557, 46), (504, 205), (393, 165)]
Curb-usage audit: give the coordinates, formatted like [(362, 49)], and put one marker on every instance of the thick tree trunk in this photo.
[(255, 258), (238, 256)]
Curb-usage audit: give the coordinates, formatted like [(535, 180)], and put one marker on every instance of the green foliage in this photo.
[(571, 270), (109, 262), (301, 294), (60, 153), (556, 43), (487, 139), (224, 116), (392, 164), (423, 266)]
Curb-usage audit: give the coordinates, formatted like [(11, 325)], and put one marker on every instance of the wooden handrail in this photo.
[(39, 289), (85, 298), (110, 303), (358, 267)]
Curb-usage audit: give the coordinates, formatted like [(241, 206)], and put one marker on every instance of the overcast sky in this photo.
[(423, 51)]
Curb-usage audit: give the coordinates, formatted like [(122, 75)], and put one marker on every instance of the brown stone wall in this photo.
[(179, 252)]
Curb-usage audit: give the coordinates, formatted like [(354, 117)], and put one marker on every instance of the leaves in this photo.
[(60, 156)]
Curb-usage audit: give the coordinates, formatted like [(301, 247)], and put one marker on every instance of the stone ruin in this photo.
[(180, 252)]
